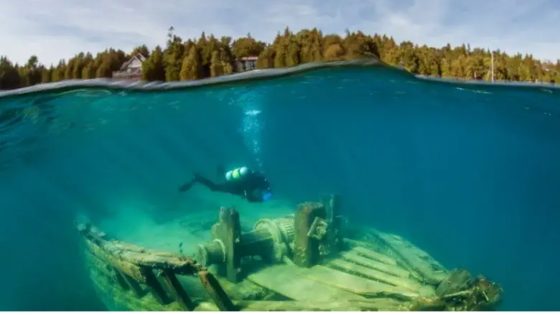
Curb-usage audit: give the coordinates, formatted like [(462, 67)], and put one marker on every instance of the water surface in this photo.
[(469, 173)]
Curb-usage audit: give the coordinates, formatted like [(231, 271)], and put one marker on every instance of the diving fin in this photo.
[(186, 186)]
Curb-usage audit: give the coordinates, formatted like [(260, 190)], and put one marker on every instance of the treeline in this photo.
[(209, 56)]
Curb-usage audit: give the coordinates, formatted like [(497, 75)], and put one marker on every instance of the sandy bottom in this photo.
[(190, 222)]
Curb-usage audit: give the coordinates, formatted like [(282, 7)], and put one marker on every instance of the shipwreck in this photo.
[(310, 260)]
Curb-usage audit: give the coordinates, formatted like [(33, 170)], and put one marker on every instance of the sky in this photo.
[(58, 29)]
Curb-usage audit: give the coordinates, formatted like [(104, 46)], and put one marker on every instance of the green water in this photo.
[(469, 173)]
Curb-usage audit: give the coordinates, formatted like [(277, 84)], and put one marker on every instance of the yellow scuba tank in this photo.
[(237, 173)]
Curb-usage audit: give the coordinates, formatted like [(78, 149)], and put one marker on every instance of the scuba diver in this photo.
[(241, 181)]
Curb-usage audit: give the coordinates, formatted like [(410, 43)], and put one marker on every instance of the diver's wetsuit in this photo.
[(251, 186)]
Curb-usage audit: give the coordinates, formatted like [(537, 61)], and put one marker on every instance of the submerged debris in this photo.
[(300, 262)]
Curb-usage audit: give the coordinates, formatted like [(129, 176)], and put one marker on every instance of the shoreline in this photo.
[(257, 74), (163, 86)]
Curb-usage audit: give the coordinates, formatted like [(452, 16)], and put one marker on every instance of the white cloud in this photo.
[(55, 29)]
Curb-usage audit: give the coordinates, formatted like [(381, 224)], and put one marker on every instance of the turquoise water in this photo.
[(469, 173)]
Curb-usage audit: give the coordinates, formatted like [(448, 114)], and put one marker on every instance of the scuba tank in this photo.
[(237, 173)]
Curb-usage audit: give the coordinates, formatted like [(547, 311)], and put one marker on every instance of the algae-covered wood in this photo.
[(418, 261), (355, 284), (371, 270), (290, 281)]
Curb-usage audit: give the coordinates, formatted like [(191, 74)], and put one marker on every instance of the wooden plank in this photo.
[(374, 255), (374, 274), (355, 284), (132, 254), (290, 281), (366, 262), (378, 304), (125, 267), (417, 259), (276, 306), (384, 304)]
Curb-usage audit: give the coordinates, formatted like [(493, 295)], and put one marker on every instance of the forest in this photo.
[(210, 56)]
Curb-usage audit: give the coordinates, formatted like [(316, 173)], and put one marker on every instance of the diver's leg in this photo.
[(186, 186), (208, 183)]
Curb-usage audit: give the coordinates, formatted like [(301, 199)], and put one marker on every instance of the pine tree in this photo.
[(173, 57), (334, 52), (88, 72), (59, 71), (280, 56), (46, 74), (216, 67), (153, 68), (246, 47), (9, 76), (266, 58), (191, 67), (143, 50)]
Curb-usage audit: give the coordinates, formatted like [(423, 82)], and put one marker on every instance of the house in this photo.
[(131, 69), (246, 63)]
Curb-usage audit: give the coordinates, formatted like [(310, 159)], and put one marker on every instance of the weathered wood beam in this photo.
[(278, 306), (393, 270), (416, 259), (403, 283), (228, 230), (126, 255), (306, 248), (177, 290), (125, 267), (216, 291), (155, 286), (119, 277), (134, 285), (334, 232), (291, 282)]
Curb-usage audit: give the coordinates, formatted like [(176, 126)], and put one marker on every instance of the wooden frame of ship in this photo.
[(305, 261)]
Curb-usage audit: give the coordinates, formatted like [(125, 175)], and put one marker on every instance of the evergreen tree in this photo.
[(310, 43), (59, 71), (280, 56), (153, 68), (46, 74), (209, 56), (266, 58), (216, 67), (88, 71), (109, 61), (334, 51), (191, 67), (407, 57), (357, 45), (173, 57), (247, 46), (143, 50), (33, 71), (9, 76)]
